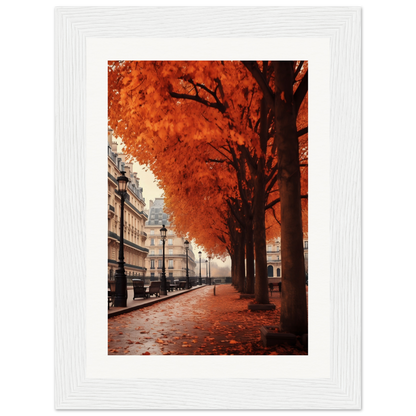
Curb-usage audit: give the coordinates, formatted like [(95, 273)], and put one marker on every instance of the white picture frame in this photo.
[(74, 27)]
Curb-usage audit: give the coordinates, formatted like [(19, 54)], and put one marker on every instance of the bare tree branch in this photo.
[(219, 106), (254, 69), (298, 69), (301, 132), (301, 92)]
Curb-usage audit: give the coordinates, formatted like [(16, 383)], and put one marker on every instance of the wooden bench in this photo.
[(139, 289), (272, 287), (154, 289)]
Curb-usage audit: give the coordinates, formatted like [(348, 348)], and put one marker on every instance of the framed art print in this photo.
[(197, 98)]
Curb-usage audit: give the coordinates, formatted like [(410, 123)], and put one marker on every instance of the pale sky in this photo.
[(151, 191)]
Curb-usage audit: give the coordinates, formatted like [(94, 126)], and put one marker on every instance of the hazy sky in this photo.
[(151, 191)]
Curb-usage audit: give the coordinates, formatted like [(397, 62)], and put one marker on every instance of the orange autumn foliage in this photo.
[(183, 120)]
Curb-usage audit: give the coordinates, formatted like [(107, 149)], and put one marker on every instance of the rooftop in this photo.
[(156, 214)]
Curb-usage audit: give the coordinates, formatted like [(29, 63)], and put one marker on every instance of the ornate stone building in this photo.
[(274, 260), (134, 216), (175, 254)]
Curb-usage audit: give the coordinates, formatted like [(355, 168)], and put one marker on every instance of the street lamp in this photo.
[(206, 272), (200, 279), (186, 244), (120, 299), (209, 262), (163, 232)]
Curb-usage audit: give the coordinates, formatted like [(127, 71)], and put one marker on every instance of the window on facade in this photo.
[(152, 275), (152, 241), (269, 248), (269, 258), (306, 244), (152, 264), (170, 274), (170, 242), (160, 251), (278, 272), (159, 264), (152, 232), (171, 251), (152, 252), (160, 242), (170, 264)]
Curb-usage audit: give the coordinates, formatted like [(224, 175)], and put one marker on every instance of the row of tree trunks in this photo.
[(293, 316), (294, 307)]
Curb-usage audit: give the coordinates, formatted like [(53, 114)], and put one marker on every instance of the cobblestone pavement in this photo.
[(196, 323)]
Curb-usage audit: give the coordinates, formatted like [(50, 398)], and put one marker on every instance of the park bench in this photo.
[(111, 293), (182, 285), (272, 287), (139, 289), (154, 289)]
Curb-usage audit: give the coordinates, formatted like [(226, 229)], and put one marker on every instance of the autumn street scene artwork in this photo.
[(208, 208)]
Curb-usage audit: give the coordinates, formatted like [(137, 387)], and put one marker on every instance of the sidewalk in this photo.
[(197, 323), (139, 303)]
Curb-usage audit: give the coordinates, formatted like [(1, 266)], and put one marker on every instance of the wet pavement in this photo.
[(196, 322), (133, 304)]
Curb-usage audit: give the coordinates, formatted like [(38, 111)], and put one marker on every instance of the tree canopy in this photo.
[(228, 142)]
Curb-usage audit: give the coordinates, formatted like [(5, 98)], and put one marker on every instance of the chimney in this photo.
[(127, 169)]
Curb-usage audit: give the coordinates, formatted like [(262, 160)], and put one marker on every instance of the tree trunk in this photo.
[(240, 259), (261, 288), (259, 215), (293, 316), (249, 257), (233, 269)]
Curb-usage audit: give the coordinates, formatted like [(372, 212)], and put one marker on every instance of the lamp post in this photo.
[(206, 272), (186, 244), (163, 232), (200, 278), (120, 299), (209, 263)]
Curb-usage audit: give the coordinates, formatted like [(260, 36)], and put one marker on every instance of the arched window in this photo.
[(278, 272), (270, 271)]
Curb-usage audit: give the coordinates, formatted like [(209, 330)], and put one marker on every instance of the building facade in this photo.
[(135, 251), (274, 259), (175, 253)]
